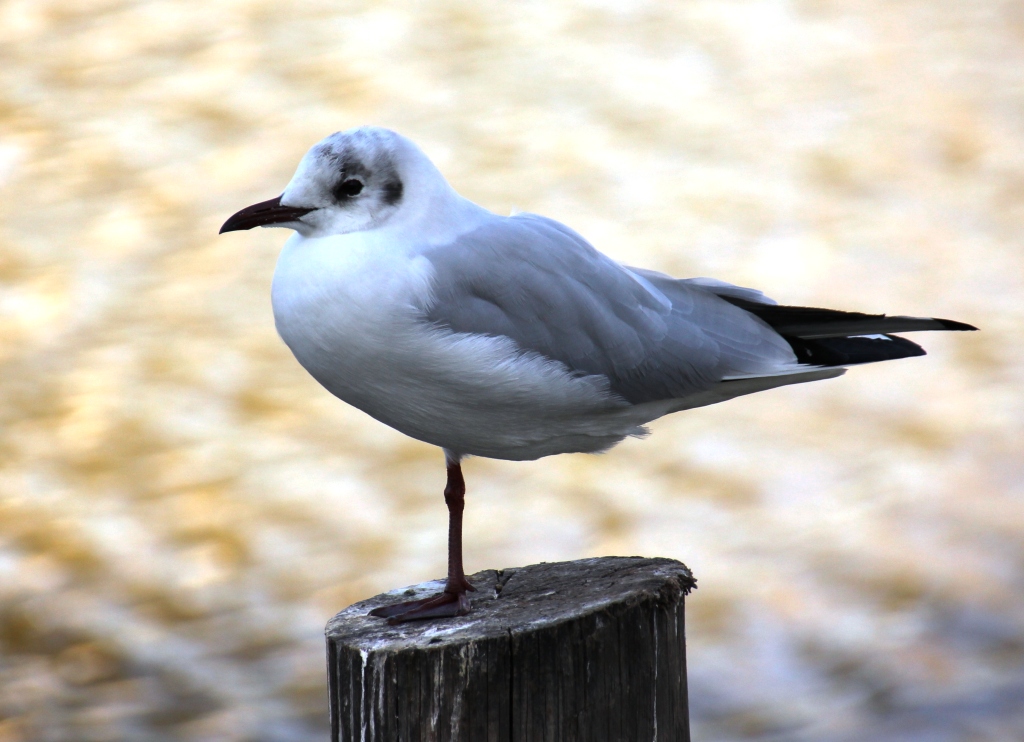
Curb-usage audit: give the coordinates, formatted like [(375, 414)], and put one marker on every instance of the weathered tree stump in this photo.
[(587, 651)]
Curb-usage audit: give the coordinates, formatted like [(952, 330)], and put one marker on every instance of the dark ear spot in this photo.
[(392, 191)]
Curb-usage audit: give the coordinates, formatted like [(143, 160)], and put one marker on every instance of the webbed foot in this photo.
[(442, 605)]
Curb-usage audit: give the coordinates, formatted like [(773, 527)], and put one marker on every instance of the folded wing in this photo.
[(653, 337)]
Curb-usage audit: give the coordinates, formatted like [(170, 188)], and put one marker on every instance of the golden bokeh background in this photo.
[(182, 508)]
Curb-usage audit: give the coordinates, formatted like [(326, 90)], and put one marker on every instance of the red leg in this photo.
[(453, 601), (455, 499)]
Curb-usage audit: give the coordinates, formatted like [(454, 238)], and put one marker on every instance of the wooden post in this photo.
[(585, 651)]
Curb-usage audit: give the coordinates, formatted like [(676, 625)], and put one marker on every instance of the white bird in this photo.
[(512, 337)]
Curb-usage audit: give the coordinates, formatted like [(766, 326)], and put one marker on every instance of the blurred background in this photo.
[(182, 508)]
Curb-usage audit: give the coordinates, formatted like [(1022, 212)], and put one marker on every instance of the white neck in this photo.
[(432, 211)]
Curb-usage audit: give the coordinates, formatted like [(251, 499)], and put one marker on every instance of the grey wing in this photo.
[(711, 285), (539, 283)]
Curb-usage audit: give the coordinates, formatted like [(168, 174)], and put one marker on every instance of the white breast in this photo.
[(350, 309)]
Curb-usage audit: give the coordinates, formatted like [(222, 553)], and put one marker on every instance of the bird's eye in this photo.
[(348, 188)]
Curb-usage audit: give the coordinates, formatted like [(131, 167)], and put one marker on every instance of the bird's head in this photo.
[(349, 182)]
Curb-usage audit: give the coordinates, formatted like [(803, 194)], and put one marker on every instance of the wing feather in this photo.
[(540, 284)]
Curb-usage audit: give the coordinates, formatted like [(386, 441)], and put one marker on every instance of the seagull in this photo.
[(511, 337)]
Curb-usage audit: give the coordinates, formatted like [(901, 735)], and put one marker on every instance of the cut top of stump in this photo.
[(515, 600)]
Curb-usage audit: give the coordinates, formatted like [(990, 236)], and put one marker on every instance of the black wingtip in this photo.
[(949, 324), (851, 351)]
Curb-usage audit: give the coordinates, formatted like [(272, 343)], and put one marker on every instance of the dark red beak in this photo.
[(263, 214)]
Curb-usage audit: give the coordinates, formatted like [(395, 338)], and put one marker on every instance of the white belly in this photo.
[(352, 316)]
